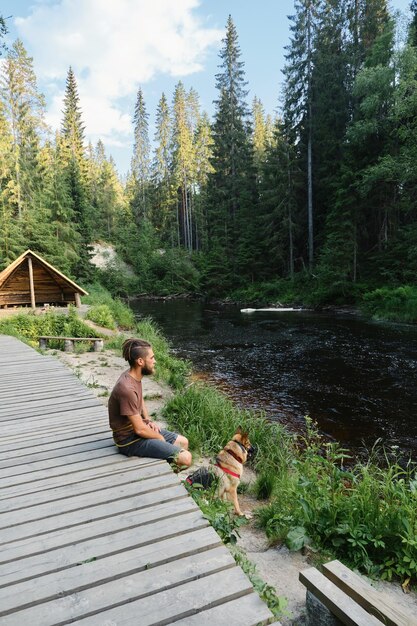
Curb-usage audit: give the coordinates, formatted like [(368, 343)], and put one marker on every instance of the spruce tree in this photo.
[(232, 200), (141, 158), (162, 206), (73, 155), (298, 98)]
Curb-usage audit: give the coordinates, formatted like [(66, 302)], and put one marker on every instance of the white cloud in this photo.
[(113, 46)]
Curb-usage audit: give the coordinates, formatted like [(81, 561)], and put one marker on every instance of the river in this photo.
[(355, 378)]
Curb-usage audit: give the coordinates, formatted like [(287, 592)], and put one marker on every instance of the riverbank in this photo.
[(276, 564), (286, 475)]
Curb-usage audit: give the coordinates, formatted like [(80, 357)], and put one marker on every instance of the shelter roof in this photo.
[(6, 273)]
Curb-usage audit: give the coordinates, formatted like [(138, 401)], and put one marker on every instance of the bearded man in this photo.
[(134, 433)]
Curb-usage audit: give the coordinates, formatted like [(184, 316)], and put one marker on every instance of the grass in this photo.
[(395, 304), (365, 515), (117, 310)]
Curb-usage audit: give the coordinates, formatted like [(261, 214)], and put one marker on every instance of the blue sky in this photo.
[(115, 46)]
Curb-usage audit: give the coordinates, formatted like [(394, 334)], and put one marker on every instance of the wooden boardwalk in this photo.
[(89, 536)]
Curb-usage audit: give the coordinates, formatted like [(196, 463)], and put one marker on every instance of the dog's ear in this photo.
[(239, 430), (245, 439)]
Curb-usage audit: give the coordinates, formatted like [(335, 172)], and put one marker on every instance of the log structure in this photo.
[(30, 280)]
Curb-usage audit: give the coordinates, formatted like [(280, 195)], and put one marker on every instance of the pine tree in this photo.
[(232, 200), (163, 198), (298, 96), (183, 155), (75, 167), (23, 108), (141, 157)]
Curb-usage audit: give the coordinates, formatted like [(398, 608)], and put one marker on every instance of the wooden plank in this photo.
[(36, 477), (371, 600), (74, 477), (67, 461), (117, 541), (162, 593), (246, 611), (55, 450), (78, 578), (38, 520), (94, 522), (67, 408), (56, 441), (42, 434), (42, 550), (343, 607), (67, 492)]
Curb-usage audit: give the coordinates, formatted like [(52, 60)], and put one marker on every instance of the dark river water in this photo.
[(357, 379)]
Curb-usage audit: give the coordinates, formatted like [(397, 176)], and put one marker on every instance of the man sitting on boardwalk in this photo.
[(133, 431)]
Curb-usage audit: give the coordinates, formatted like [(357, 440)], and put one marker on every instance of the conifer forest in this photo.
[(315, 201)]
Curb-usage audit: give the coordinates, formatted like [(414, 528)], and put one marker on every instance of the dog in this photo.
[(227, 470)]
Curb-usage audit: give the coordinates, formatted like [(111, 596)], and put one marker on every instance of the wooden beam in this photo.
[(77, 300), (32, 286)]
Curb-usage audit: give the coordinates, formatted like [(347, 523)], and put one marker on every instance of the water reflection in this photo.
[(357, 379)]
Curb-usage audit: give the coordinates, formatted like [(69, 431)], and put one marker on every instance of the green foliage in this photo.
[(218, 513), (210, 420), (30, 326), (398, 303), (121, 313), (365, 516), (168, 368), (264, 485), (101, 314)]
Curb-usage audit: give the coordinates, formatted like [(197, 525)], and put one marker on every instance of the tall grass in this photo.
[(99, 296), (210, 419), (397, 304), (29, 327), (366, 516)]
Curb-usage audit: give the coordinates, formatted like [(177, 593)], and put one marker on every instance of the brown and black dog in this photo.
[(227, 470)]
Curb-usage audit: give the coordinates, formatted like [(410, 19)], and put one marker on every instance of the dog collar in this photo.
[(227, 471), (237, 458)]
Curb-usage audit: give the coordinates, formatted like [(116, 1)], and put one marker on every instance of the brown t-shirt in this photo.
[(125, 399)]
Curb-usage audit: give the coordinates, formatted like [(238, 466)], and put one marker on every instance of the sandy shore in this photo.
[(276, 565)]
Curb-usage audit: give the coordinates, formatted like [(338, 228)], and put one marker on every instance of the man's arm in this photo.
[(147, 418), (142, 429)]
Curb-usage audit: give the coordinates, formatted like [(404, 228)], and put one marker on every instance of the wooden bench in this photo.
[(69, 342), (345, 598)]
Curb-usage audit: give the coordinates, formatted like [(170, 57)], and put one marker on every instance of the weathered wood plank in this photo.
[(65, 448), (375, 602), (92, 522), (343, 607), (131, 535), (36, 477), (80, 577), (161, 593), (52, 496), (74, 477), (41, 519), (246, 611), (67, 461)]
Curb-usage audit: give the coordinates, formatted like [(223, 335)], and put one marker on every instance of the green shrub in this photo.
[(398, 304), (30, 326), (366, 516), (122, 314), (213, 419), (101, 314)]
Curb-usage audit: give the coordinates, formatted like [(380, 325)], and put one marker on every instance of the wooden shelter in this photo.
[(30, 280)]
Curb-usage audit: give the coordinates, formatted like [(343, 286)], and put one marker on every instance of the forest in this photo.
[(313, 203)]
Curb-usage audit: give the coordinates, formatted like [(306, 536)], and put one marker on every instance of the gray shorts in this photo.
[(154, 448)]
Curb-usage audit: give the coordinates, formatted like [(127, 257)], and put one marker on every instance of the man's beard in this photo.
[(146, 371)]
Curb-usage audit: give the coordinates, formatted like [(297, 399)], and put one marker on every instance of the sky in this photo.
[(117, 46)]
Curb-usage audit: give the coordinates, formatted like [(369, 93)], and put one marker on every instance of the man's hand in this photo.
[(154, 427)]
